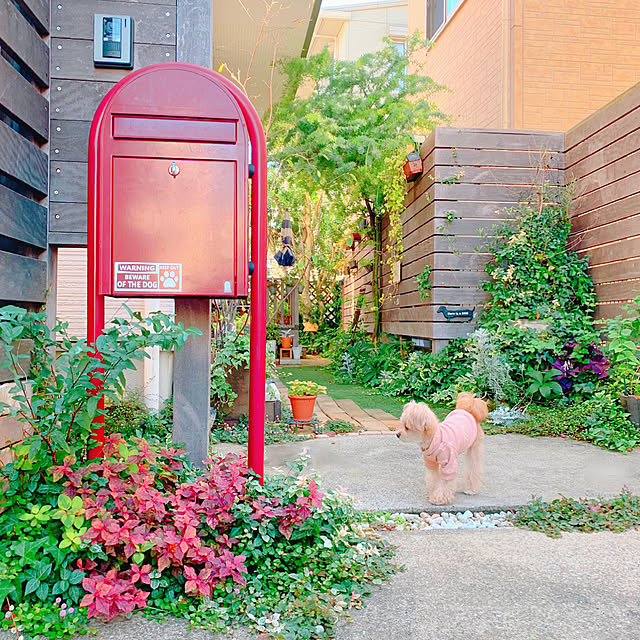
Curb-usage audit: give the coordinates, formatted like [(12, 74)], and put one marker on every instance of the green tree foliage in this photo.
[(344, 129)]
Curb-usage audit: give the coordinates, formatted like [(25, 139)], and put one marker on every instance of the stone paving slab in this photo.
[(386, 474), (360, 416)]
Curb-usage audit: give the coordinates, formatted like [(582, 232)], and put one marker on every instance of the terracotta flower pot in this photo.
[(286, 342), (302, 407)]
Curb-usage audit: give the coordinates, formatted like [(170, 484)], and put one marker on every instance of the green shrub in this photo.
[(599, 419), (367, 363), (130, 417), (60, 401), (423, 373), (232, 354)]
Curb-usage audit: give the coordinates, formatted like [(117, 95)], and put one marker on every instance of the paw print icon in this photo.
[(168, 279)]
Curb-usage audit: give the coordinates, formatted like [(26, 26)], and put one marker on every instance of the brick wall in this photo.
[(577, 56), (466, 57), (532, 64)]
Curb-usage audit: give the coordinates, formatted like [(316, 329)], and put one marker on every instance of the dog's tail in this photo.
[(475, 406)]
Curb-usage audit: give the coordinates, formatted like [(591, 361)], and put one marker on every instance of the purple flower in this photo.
[(566, 384)]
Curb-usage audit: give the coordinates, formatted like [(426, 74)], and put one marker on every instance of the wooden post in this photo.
[(191, 380)]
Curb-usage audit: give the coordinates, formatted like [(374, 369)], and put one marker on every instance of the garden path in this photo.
[(370, 421)]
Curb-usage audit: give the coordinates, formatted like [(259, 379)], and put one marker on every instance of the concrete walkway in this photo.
[(479, 585), (386, 474)]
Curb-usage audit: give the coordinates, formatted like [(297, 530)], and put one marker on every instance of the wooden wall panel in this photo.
[(24, 132), (24, 42), (153, 24), (23, 101), (22, 219), (23, 279), (471, 178), (602, 157), (23, 160), (38, 12), (77, 88)]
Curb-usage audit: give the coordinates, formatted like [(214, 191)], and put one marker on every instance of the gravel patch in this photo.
[(443, 520)]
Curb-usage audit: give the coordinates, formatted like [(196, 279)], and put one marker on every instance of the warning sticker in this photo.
[(140, 277)]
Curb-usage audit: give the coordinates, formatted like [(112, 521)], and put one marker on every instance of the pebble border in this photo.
[(443, 520)]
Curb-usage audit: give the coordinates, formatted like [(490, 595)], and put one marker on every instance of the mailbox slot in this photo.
[(210, 131)]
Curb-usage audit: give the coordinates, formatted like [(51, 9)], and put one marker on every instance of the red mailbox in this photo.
[(173, 145), (168, 202)]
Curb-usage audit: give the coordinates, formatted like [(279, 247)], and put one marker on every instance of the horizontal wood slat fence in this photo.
[(603, 157), (24, 169), (24, 163), (471, 177)]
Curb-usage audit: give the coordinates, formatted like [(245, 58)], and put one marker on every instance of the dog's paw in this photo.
[(470, 492), (440, 497)]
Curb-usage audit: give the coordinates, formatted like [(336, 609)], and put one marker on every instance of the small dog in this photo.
[(442, 443)]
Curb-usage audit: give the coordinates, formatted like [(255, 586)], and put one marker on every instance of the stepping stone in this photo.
[(360, 415), (387, 419)]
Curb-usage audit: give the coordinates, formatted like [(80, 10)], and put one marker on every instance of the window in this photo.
[(438, 12)]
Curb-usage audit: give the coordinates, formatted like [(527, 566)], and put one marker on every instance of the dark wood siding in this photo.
[(603, 157), (24, 132), (77, 89)]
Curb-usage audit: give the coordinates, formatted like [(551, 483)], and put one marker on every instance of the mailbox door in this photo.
[(174, 232)]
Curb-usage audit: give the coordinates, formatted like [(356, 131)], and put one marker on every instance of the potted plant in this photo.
[(286, 340), (302, 396), (624, 352)]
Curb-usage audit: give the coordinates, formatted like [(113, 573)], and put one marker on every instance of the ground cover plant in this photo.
[(236, 431), (568, 514), (130, 417), (139, 529)]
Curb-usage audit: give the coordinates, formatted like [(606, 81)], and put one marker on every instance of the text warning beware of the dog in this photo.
[(156, 277)]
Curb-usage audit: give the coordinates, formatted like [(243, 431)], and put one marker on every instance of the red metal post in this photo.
[(95, 302), (258, 334)]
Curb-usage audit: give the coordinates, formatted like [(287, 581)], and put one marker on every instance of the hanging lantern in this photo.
[(285, 256)]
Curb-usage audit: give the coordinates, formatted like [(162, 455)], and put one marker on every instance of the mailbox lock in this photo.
[(174, 169)]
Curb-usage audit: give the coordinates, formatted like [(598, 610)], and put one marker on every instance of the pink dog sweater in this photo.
[(456, 433)]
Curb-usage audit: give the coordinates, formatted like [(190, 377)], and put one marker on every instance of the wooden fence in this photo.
[(24, 166), (469, 177), (603, 157)]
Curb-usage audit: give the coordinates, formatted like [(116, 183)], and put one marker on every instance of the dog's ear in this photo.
[(481, 410)]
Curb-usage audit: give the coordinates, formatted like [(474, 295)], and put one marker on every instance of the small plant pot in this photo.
[(631, 405), (302, 407), (287, 342)]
